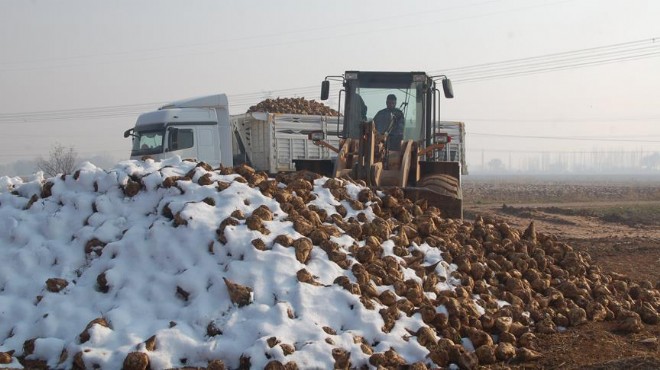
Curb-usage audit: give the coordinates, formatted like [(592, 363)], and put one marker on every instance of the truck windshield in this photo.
[(364, 102), (148, 142)]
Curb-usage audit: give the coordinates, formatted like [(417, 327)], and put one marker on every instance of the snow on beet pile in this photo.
[(172, 264)]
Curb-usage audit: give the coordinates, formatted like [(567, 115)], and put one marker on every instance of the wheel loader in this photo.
[(405, 150)]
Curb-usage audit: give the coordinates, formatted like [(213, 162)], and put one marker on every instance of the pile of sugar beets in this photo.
[(548, 284)]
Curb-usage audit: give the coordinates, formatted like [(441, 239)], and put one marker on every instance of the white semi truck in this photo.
[(202, 129)]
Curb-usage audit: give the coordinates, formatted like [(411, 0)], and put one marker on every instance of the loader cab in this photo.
[(366, 153), (365, 94)]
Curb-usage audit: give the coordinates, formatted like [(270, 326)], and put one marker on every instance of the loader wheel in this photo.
[(441, 191), (442, 184)]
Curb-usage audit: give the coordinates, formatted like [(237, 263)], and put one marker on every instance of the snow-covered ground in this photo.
[(125, 260)]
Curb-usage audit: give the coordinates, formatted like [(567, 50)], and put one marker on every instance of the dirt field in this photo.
[(614, 219)]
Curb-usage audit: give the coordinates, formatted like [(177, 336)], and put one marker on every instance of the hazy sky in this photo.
[(79, 72)]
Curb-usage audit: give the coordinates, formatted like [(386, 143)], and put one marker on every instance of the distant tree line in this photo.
[(574, 162)]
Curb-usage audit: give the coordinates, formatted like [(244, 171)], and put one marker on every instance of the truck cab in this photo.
[(194, 128)]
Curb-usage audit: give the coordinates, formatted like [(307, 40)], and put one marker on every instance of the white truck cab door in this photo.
[(181, 141), (207, 146)]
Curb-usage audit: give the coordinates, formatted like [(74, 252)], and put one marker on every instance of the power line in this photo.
[(545, 63), (639, 49), (559, 68), (527, 60)]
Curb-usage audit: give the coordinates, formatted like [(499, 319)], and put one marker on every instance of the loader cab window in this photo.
[(367, 97), (148, 142)]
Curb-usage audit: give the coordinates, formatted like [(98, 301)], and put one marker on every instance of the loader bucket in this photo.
[(451, 206), (440, 185)]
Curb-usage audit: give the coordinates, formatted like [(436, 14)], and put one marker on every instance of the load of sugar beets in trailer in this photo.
[(293, 106), (425, 291)]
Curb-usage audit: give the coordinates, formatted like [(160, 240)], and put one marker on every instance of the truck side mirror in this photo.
[(447, 88), (325, 90), (128, 132)]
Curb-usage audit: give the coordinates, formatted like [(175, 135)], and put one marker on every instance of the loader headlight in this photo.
[(316, 135), (442, 138)]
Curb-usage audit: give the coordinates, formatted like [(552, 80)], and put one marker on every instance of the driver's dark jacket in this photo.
[(383, 119)]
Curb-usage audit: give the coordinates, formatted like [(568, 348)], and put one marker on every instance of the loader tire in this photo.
[(442, 184), (442, 191)]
